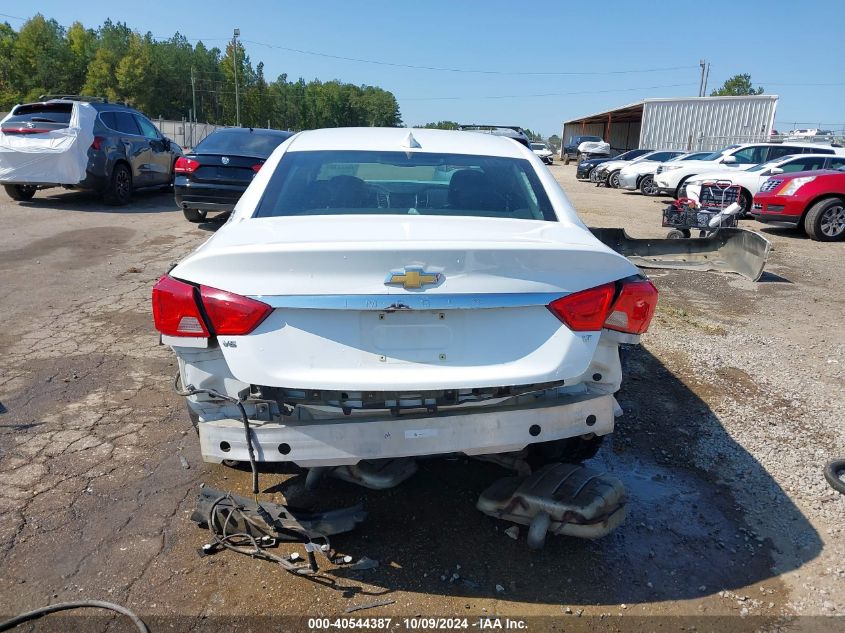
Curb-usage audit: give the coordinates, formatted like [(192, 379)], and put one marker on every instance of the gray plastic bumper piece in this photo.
[(727, 250)]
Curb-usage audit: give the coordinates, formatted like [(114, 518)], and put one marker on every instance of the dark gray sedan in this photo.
[(214, 176)]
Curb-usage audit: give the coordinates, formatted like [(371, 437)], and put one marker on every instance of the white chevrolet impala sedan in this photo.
[(385, 293)]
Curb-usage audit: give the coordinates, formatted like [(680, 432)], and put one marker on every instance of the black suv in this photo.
[(127, 151)]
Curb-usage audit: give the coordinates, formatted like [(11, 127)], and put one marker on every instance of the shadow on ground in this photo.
[(685, 537), (153, 200)]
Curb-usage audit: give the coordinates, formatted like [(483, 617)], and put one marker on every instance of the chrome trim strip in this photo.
[(394, 302)]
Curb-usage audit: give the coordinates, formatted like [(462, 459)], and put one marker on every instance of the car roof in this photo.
[(253, 130), (386, 139), (97, 105)]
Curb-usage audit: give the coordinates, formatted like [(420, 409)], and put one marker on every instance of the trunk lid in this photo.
[(225, 168), (480, 321)]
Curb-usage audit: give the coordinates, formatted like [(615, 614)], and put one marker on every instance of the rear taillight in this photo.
[(185, 165), (176, 310), (98, 140), (256, 168), (584, 311), (232, 314), (593, 309), (633, 309)]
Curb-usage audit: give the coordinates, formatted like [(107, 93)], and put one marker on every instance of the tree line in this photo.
[(163, 78)]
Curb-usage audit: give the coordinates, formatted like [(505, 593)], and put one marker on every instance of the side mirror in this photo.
[(729, 160), (166, 142), (775, 170)]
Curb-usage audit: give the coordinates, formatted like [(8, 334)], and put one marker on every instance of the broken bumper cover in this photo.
[(472, 431)]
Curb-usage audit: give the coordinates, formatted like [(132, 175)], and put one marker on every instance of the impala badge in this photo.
[(225, 160), (411, 278)]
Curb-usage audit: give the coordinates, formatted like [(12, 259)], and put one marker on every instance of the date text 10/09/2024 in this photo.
[(419, 623)]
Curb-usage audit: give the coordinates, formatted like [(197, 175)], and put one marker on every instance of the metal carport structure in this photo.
[(686, 123)]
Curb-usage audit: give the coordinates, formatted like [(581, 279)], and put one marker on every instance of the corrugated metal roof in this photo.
[(707, 122), (605, 113), (688, 123)]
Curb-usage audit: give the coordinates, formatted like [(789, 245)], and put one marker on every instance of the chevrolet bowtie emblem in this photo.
[(411, 278)]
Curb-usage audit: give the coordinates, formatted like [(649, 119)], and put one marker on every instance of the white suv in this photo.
[(670, 178)]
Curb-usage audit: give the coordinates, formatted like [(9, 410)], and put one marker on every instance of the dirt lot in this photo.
[(733, 404)]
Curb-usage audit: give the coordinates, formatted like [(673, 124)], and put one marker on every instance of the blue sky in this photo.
[(783, 48)]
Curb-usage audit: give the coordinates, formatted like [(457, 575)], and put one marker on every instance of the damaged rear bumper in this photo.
[(472, 431)]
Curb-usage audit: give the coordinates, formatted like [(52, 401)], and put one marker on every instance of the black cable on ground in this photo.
[(833, 472), (190, 390), (222, 513), (64, 606)]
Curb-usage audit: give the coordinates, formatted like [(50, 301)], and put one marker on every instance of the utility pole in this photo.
[(194, 93), (701, 63), (706, 77), (194, 99), (235, 66)]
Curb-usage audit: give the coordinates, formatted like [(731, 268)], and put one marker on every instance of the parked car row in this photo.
[(797, 183), (83, 143), (110, 148)]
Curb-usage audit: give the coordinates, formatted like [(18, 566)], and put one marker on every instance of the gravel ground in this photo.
[(733, 403)]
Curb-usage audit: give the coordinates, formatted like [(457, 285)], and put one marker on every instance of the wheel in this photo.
[(536, 536), (581, 157), (677, 234), (613, 180), (834, 473), (566, 159), (648, 186), (681, 189), (745, 201), (825, 221), (572, 450), (194, 215), (119, 192), (20, 192)]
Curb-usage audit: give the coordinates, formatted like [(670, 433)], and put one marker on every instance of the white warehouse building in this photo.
[(686, 123)]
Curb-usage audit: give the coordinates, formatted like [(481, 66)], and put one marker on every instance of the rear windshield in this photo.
[(241, 143), (43, 113), (404, 183)]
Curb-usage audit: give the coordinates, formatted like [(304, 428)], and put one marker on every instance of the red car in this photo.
[(812, 200)]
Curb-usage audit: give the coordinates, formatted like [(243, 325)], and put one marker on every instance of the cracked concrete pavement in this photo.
[(732, 405)]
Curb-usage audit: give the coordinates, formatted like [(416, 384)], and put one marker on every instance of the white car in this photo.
[(385, 293), (640, 174), (671, 178), (753, 178), (608, 172), (542, 150)]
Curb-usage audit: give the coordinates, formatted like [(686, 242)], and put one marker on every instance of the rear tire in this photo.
[(572, 450), (119, 192), (746, 200), (566, 159), (194, 215), (648, 187), (825, 221), (21, 193)]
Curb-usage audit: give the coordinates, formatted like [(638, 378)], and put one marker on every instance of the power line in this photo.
[(14, 17), (544, 94), (465, 70)]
